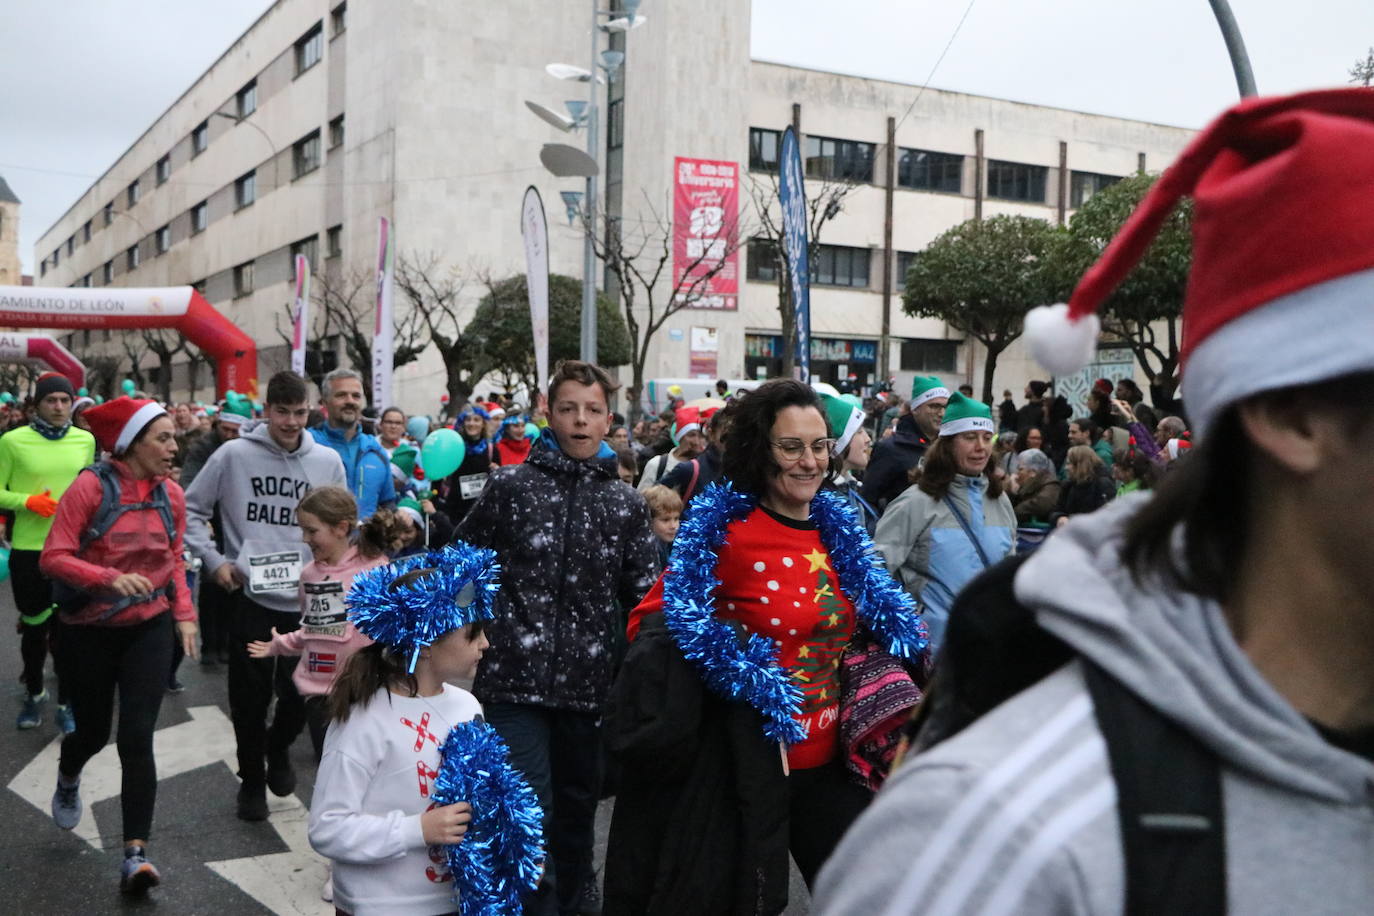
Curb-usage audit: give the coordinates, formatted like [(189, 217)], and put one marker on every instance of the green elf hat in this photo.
[(411, 507), (403, 458), (925, 388), (966, 415), (844, 419)]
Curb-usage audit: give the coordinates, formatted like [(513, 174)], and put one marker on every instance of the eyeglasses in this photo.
[(794, 449)]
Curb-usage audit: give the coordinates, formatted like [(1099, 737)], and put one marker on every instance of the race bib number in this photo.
[(325, 614), (470, 485), (273, 573)]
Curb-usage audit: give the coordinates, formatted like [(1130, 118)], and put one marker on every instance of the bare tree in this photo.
[(102, 373), (822, 206), (165, 344), (434, 293), (134, 349), (1362, 74), (638, 254)]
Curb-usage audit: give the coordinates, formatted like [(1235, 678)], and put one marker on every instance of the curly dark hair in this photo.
[(748, 461)]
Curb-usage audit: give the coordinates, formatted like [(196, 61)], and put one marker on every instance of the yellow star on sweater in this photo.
[(817, 560)]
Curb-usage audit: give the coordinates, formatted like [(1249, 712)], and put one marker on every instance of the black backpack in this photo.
[(1168, 784)]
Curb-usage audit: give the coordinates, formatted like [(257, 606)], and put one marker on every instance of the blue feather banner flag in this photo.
[(502, 854)]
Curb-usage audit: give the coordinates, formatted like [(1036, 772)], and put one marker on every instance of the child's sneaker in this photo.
[(31, 716), (137, 874), (66, 722), (66, 804)]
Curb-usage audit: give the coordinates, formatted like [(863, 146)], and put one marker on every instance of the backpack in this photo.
[(1168, 784), (69, 598)]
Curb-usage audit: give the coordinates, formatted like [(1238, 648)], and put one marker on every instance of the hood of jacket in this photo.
[(334, 437), (259, 435), (549, 454), (1176, 652)]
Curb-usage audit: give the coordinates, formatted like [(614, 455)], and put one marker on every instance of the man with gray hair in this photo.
[(365, 461)]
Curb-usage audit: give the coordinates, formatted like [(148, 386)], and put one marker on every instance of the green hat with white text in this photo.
[(964, 415), (844, 420), (926, 388)]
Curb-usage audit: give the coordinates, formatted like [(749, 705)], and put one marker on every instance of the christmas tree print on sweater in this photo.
[(818, 659)]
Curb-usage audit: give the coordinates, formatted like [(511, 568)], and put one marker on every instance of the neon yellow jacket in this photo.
[(30, 464)]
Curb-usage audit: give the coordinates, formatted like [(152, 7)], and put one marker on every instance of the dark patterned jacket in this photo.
[(574, 544)]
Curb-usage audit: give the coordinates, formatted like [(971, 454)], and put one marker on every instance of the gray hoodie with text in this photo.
[(256, 485), (1017, 813)]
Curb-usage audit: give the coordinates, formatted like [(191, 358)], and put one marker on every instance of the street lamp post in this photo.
[(240, 120), (1235, 46), (588, 336)]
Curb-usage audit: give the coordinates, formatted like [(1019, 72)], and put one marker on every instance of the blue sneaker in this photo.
[(137, 874), (31, 716), (66, 722), (66, 804)]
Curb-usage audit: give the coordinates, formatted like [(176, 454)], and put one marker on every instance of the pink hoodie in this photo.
[(325, 639)]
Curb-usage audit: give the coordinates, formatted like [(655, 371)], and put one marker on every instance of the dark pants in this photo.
[(317, 720), (560, 754), (134, 660), (824, 803), (252, 683), (214, 606), (33, 596)]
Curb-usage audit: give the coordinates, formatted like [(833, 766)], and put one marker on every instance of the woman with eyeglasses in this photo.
[(955, 521), (770, 581)]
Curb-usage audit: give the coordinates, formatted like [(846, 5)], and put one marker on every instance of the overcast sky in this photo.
[(83, 78)]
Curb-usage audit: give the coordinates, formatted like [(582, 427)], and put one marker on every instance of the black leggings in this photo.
[(33, 596), (252, 684), (824, 803), (134, 660)]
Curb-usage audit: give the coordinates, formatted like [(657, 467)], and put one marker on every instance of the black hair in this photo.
[(1089, 426), (287, 389), (748, 459)]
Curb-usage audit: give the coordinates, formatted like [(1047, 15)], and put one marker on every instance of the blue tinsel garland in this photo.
[(502, 853), (462, 589), (751, 672)]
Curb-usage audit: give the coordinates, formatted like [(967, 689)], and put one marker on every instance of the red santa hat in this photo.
[(115, 423), (686, 420), (1282, 258)]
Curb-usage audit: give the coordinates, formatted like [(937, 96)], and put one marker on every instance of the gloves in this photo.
[(41, 504)]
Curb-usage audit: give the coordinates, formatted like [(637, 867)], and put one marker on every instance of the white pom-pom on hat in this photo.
[(1060, 343)]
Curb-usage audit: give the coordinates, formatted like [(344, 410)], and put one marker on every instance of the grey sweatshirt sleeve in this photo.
[(899, 530), (200, 507)]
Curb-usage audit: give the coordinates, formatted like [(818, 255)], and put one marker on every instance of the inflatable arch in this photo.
[(180, 308), (43, 351)]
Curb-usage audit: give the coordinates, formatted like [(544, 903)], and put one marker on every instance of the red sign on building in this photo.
[(705, 221)]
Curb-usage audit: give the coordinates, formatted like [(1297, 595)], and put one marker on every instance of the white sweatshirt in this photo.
[(373, 784)]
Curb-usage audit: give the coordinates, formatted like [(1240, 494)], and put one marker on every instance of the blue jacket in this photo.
[(366, 465)]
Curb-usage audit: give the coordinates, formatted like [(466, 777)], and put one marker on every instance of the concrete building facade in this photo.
[(326, 115)]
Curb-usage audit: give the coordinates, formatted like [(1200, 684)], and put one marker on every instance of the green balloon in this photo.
[(6, 398), (99, 399), (531, 431), (82, 393), (127, 386), (442, 452)]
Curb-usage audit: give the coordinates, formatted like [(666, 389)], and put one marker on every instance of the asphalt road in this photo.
[(211, 862)]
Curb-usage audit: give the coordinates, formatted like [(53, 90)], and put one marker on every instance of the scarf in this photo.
[(47, 430)]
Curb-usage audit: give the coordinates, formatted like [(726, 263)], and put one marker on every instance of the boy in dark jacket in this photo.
[(574, 545)]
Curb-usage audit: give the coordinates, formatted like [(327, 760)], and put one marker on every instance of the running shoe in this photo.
[(31, 716), (66, 722), (175, 686), (281, 777), (66, 804), (252, 802), (137, 874)]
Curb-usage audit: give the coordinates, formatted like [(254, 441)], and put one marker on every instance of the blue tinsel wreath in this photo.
[(751, 672), (462, 589), (502, 854)]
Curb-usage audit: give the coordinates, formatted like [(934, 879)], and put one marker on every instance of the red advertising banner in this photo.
[(705, 220)]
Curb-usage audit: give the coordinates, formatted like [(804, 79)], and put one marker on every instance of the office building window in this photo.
[(842, 160), (1016, 181), (309, 247), (164, 168), (246, 102), (109, 213), (246, 190), (336, 132), (305, 155), (929, 355), (131, 195), (763, 149), (927, 171), (86, 232), (904, 261), (836, 265), (164, 239), (243, 279), (86, 281), (131, 258), (43, 268), (199, 217), (309, 49), (56, 256), (200, 138), (71, 244), (1083, 185), (334, 241), (762, 262), (338, 18), (107, 272)]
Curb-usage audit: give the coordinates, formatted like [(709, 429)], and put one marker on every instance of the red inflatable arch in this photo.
[(43, 351), (180, 308)]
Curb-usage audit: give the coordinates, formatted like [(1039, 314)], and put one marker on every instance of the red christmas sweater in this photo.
[(776, 579)]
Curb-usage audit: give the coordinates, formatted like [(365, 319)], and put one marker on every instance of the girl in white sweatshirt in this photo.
[(392, 708)]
